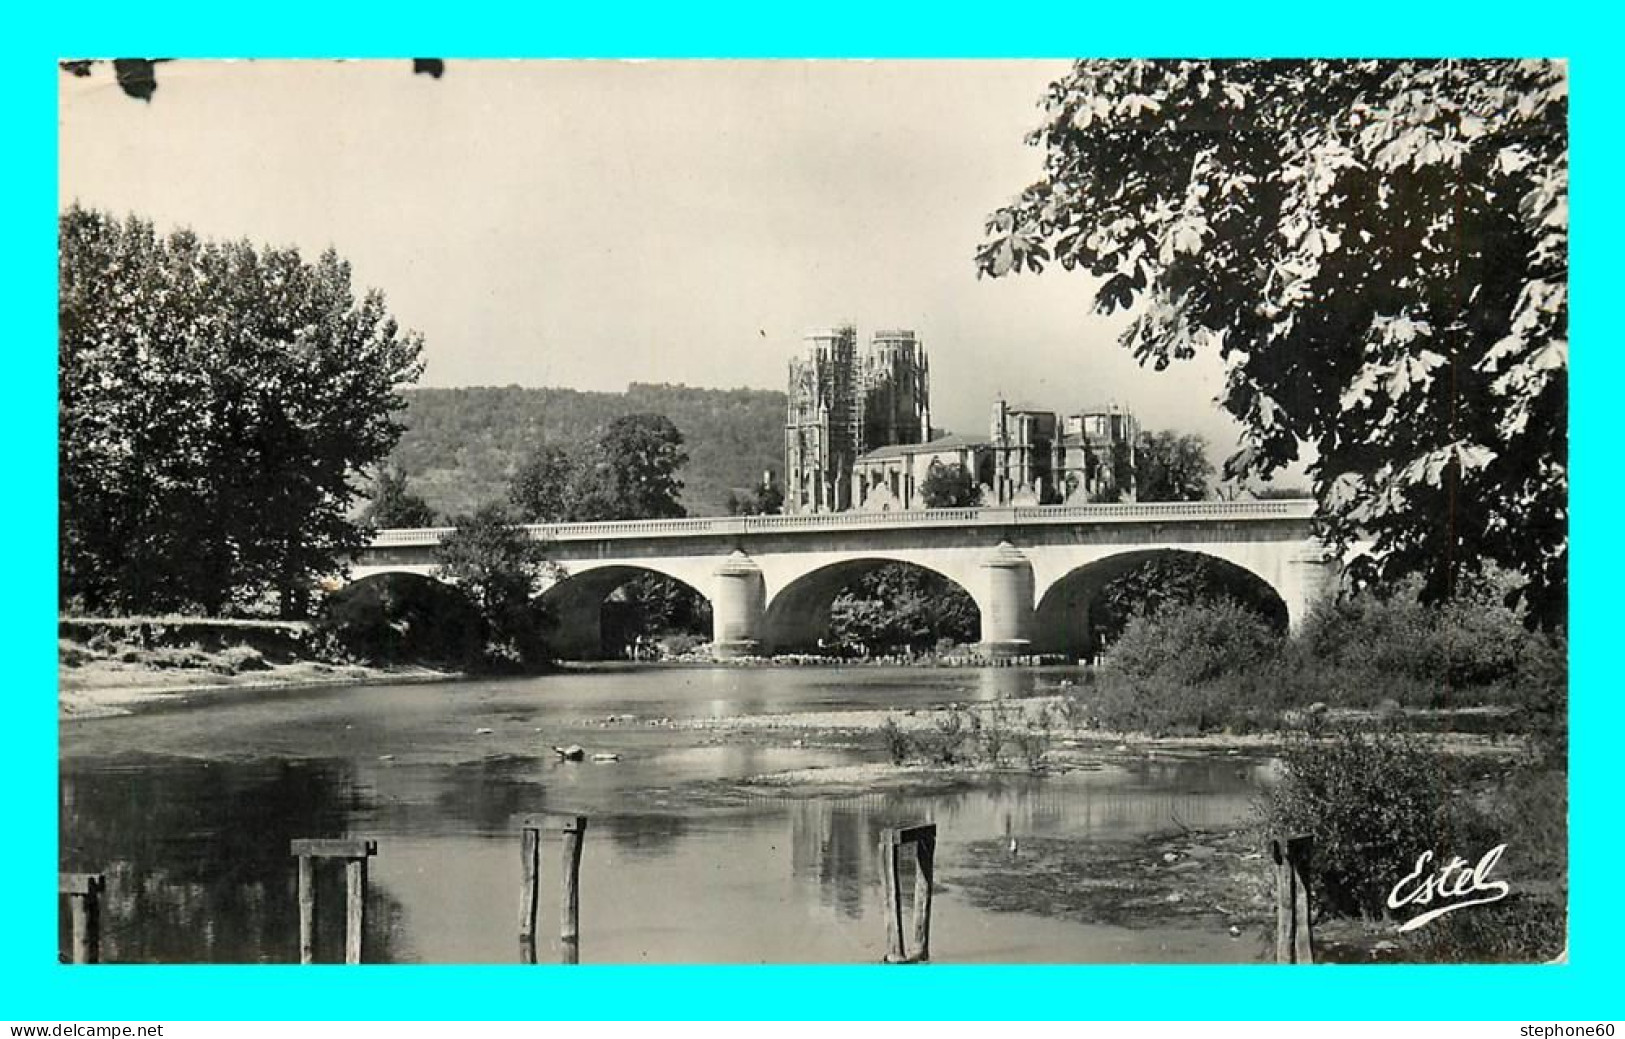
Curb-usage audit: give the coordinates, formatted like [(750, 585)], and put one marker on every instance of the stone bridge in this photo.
[(1032, 571)]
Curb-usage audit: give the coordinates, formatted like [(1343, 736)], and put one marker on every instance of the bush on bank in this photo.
[(1376, 801), (1216, 666), (1192, 643), (398, 619), (1373, 803)]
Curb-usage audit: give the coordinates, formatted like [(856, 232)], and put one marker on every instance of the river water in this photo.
[(189, 812)]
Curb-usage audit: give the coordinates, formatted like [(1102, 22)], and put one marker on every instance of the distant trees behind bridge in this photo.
[(462, 446)]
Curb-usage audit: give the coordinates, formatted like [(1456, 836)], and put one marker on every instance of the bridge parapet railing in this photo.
[(1126, 512), (1177, 510)]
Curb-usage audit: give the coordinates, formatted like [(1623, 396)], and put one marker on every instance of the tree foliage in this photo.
[(949, 487), (1191, 643), (765, 499), (1170, 466), (1379, 252), (395, 618), (138, 77), (500, 568), (541, 489), (629, 472), (897, 606), (1178, 579), (1374, 802), (216, 401), (393, 505), (633, 472), (655, 604)]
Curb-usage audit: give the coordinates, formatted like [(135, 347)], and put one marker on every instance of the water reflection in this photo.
[(196, 857)]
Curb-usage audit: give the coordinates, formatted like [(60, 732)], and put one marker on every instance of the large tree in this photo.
[(631, 473), (1170, 466), (540, 489), (1379, 252), (500, 568), (628, 471), (218, 403)]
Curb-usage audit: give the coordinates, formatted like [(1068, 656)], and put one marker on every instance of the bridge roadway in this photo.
[(1032, 571)]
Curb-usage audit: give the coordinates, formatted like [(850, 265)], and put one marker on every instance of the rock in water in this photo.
[(574, 752)]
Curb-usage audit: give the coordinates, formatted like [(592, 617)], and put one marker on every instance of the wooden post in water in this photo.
[(355, 907), (530, 878), (307, 909), (925, 865), (891, 897), (574, 830), (84, 891), (1293, 940), (354, 852), (924, 839)]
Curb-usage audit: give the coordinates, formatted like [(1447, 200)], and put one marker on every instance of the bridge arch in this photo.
[(1064, 620), (577, 601), (358, 574), (797, 617), (400, 615)]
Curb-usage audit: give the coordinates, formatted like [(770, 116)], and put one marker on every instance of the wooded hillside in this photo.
[(462, 445)]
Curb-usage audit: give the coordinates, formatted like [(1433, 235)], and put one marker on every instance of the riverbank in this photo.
[(114, 680)]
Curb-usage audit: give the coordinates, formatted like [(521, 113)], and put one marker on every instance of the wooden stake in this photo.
[(354, 851), (355, 907), (891, 899), (307, 909), (84, 892), (530, 876), (925, 854), (1298, 850), (575, 828), (1293, 940)]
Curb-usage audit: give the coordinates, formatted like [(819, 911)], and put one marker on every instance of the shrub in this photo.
[(1193, 643), (179, 657), (1517, 930), (1369, 646), (71, 654), (1032, 746), (1237, 703), (681, 644), (234, 660), (898, 745), (395, 618), (1373, 802), (1527, 812)]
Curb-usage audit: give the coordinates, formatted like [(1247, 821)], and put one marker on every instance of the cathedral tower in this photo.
[(842, 406)]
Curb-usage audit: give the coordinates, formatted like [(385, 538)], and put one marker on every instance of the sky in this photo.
[(592, 224)]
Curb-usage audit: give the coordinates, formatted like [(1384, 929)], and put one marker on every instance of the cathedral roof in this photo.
[(950, 442)]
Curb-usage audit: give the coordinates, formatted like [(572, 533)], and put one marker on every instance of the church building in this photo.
[(858, 436)]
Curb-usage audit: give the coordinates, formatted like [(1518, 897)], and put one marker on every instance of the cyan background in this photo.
[(33, 986)]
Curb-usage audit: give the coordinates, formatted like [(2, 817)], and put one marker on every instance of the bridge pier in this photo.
[(738, 608), (1310, 577), (1007, 612)]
